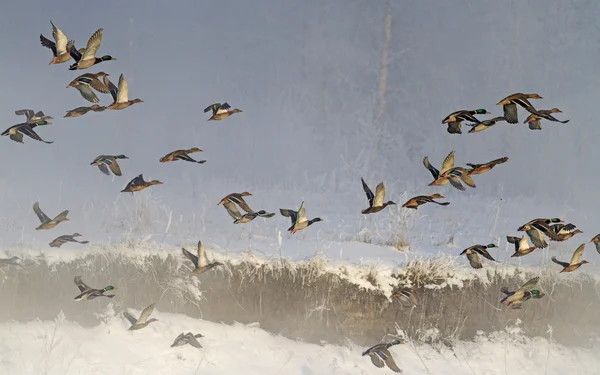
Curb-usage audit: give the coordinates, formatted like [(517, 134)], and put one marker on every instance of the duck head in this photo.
[(107, 58), (491, 245), (481, 111)]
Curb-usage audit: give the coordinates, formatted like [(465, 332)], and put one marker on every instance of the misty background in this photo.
[(306, 75)]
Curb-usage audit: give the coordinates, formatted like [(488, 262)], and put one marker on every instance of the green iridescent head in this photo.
[(535, 293), (43, 122), (491, 245), (481, 111), (110, 287)]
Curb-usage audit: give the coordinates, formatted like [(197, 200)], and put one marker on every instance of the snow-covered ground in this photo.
[(61, 347)]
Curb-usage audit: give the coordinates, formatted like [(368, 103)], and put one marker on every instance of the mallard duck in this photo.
[(59, 241), (457, 174), (482, 168), (59, 49), (299, 220), (521, 245), (376, 202), (13, 261), (232, 199), (16, 132), (88, 293), (525, 292), (574, 263), (534, 120), (381, 356), (80, 111), (220, 111), (447, 164), (536, 227), (415, 202), (455, 119), (143, 320), (33, 117), (48, 223), (596, 241), (564, 231), (88, 58), (188, 338), (509, 104), (200, 262), (120, 95), (485, 124), (406, 296), (138, 183), (110, 161), (182, 155), (88, 81), (474, 251)]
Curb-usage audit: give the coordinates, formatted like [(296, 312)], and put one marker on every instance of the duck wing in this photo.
[(301, 214), (523, 102), (192, 340), (28, 113), (92, 45), (61, 40), (474, 261), (104, 169), (433, 170), (240, 202), (389, 360), (232, 210), (454, 127), (448, 163), (367, 190), (80, 284), (40, 214), (115, 168), (111, 88), (379, 195), (129, 317), (289, 213), (213, 107), (123, 90), (482, 251), (536, 238), (28, 131), (563, 264), (62, 215), (146, 314), (376, 360), (191, 257), (529, 284), (467, 179), (48, 44), (87, 93), (202, 261), (577, 254), (454, 181), (510, 113)]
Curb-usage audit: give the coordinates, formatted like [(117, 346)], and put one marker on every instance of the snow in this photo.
[(61, 347)]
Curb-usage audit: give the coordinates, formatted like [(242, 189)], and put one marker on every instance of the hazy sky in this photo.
[(305, 74)]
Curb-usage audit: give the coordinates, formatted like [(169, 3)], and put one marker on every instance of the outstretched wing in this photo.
[(60, 38), (48, 44), (202, 261), (448, 163), (92, 45), (112, 88), (577, 254), (529, 284), (103, 169), (28, 113), (80, 284), (289, 213), (191, 257), (370, 195), (433, 170), (40, 214), (564, 264), (213, 107), (123, 90), (115, 168), (301, 214), (379, 195), (146, 314), (232, 210), (129, 317)]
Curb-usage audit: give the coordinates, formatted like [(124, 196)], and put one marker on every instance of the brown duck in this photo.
[(182, 155), (376, 202), (564, 231), (61, 240), (475, 251), (415, 202), (596, 241), (448, 164), (138, 183), (80, 111), (482, 168), (534, 120), (509, 104), (574, 263), (220, 111), (521, 245), (120, 95), (48, 223), (200, 262)]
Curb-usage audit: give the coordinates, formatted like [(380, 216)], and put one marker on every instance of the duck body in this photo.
[(537, 228), (574, 263), (46, 222), (406, 296), (299, 220), (88, 81), (87, 58), (61, 240), (596, 242), (514, 299), (120, 94), (438, 178), (486, 167), (485, 124), (521, 245), (80, 111), (455, 119), (185, 339), (231, 200), (419, 200), (200, 262), (381, 356), (221, 111), (564, 231), (142, 321), (16, 132), (534, 119), (58, 47), (458, 174)]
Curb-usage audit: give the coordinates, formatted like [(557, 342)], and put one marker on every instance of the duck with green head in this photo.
[(88, 57), (455, 119), (88, 293), (381, 356), (536, 228), (16, 132), (485, 124), (525, 292), (475, 251)]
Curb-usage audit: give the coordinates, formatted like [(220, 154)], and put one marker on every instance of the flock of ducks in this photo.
[(89, 84)]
